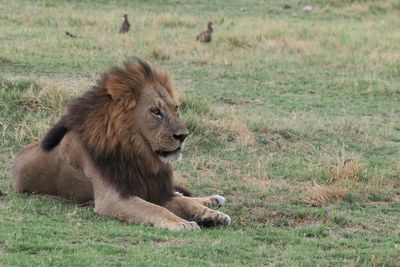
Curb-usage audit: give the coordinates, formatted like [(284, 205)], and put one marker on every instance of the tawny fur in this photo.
[(110, 147)]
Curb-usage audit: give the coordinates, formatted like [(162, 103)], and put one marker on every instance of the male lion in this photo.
[(114, 146)]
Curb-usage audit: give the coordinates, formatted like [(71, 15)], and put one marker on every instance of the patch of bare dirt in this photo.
[(127, 241), (396, 184), (282, 219)]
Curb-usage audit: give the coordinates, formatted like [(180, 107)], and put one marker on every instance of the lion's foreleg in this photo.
[(194, 209), (138, 211), (109, 202)]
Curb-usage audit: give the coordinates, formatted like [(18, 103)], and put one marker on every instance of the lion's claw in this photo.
[(215, 201), (218, 200), (212, 217), (190, 226)]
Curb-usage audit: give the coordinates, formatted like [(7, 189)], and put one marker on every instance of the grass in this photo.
[(294, 115)]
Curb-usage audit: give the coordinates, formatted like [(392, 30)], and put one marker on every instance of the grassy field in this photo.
[(294, 115)]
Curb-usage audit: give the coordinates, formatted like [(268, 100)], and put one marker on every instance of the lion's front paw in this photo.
[(211, 217), (215, 201), (180, 225)]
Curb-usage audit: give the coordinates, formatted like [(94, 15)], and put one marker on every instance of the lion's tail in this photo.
[(54, 136)]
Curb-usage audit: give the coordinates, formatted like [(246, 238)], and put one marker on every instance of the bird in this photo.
[(71, 35), (125, 26), (206, 35), (326, 214)]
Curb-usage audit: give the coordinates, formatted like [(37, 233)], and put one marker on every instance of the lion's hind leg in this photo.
[(215, 201)]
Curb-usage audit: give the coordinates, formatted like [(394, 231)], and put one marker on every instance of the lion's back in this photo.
[(51, 172)]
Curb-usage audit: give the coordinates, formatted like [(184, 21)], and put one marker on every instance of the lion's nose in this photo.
[(181, 137)]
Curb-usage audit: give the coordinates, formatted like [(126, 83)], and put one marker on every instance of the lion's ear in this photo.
[(119, 91), (117, 87)]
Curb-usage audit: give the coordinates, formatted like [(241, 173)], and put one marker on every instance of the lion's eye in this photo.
[(157, 112), (177, 109)]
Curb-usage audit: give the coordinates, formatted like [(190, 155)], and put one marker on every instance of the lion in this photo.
[(114, 146)]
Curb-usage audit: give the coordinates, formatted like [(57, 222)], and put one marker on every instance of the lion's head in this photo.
[(149, 107), (137, 105), (157, 117), (129, 122)]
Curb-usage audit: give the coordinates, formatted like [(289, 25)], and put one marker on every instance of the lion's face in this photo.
[(157, 116)]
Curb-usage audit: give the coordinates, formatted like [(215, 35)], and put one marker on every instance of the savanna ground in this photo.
[(294, 115)]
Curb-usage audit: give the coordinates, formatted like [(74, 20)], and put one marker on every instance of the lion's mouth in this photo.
[(168, 153)]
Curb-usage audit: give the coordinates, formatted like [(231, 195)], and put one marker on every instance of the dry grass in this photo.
[(222, 125), (51, 95), (349, 169), (232, 127), (159, 53), (45, 96), (313, 89), (319, 195)]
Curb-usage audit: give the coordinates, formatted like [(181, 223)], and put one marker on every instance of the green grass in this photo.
[(276, 103)]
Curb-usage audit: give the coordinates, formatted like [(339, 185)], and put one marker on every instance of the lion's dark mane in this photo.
[(128, 166)]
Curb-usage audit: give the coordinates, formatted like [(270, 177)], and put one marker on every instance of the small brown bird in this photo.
[(206, 35), (125, 26), (71, 35)]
